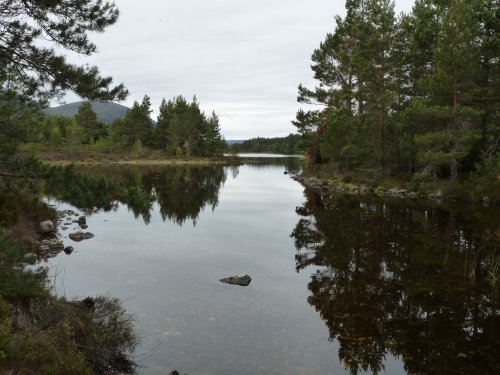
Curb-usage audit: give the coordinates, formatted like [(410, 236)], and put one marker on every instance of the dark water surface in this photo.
[(340, 284)]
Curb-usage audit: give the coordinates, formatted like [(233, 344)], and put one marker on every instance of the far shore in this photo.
[(139, 161), (84, 157)]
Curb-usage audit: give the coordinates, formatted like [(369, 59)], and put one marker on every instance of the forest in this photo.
[(278, 145), (181, 129), (414, 96)]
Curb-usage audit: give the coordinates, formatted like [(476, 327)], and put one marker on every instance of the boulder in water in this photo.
[(242, 280), (80, 236)]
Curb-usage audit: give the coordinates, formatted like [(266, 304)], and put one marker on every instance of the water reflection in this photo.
[(181, 192), (406, 280), (262, 161)]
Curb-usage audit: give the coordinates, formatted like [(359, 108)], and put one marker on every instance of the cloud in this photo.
[(243, 59)]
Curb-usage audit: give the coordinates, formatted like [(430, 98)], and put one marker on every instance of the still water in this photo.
[(339, 285)]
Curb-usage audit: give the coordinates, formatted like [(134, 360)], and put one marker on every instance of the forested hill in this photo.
[(106, 112)]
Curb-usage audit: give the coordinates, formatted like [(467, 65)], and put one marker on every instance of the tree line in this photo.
[(277, 145), (181, 129), (416, 94)]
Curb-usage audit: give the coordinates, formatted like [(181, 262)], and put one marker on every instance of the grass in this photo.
[(151, 157)]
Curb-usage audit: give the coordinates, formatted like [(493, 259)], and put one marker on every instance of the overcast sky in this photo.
[(242, 58)]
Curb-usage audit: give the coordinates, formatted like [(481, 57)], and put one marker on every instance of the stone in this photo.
[(46, 227), (82, 220), (241, 280), (80, 236), (29, 256), (44, 248), (69, 249), (83, 226), (56, 245), (486, 201)]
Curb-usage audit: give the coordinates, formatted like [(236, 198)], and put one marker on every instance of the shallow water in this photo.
[(340, 285)]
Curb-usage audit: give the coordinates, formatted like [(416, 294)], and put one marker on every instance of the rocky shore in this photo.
[(50, 243), (354, 189)]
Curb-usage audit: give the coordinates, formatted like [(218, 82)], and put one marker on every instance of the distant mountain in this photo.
[(235, 141), (106, 112)]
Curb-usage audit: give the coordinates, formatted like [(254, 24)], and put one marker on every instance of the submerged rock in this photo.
[(80, 236), (242, 280)]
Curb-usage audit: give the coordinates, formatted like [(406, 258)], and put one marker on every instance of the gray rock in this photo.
[(242, 280), (46, 227), (69, 249), (82, 220), (44, 248), (29, 256), (83, 226), (80, 236), (486, 201)]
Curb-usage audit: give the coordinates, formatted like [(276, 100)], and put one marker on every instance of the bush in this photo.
[(138, 148)]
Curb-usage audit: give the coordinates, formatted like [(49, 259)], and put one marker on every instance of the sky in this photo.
[(242, 59)]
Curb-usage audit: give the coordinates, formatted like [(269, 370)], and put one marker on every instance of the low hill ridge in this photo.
[(106, 112)]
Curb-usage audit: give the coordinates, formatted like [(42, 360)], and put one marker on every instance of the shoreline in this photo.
[(336, 186), (166, 162), (64, 160)]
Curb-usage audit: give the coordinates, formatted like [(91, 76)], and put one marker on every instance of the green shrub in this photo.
[(138, 148)]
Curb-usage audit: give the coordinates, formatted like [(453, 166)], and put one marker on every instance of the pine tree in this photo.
[(213, 142), (41, 71), (137, 124), (163, 124), (446, 94), (87, 119)]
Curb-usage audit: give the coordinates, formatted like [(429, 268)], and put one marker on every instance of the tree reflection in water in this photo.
[(403, 279), (181, 192)]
